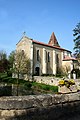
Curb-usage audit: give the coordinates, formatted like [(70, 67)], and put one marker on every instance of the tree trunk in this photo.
[(17, 83)]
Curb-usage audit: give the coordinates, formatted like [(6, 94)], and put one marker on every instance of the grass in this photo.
[(45, 87), (27, 85)]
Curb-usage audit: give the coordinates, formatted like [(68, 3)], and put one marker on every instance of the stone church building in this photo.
[(46, 58)]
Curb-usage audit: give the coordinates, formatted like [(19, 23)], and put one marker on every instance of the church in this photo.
[(47, 58)]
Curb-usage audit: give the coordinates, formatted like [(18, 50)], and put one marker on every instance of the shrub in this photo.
[(67, 83), (45, 87), (54, 88), (71, 82), (61, 82), (28, 85)]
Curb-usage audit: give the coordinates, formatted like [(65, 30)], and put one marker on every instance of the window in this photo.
[(57, 58), (37, 55), (48, 56), (45, 56), (23, 52)]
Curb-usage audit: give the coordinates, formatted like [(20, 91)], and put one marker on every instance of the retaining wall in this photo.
[(41, 107), (47, 80)]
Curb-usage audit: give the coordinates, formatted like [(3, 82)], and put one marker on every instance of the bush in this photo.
[(45, 87), (67, 83), (5, 90), (9, 73), (59, 75), (61, 82), (71, 82), (28, 85), (54, 88)]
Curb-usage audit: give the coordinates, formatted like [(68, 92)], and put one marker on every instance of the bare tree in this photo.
[(21, 65), (66, 69)]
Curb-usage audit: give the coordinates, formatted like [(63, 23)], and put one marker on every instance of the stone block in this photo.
[(63, 89), (8, 113), (44, 100), (60, 98), (73, 88), (73, 97), (15, 102)]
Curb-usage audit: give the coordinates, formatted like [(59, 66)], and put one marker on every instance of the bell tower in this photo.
[(53, 40)]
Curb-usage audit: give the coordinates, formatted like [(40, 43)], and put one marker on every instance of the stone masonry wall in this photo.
[(41, 107), (47, 80)]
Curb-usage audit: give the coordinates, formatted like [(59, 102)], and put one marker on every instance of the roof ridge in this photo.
[(45, 44)]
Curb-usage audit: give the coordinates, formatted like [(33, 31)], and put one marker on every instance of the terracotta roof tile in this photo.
[(48, 45), (53, 40), (69, 58)]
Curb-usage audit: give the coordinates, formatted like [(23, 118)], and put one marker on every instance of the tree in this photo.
[(4, 64), (11, 59), (21, 65), (66, 69), (77, 40)]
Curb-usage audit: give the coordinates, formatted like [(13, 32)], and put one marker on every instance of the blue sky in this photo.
[(38, 18)]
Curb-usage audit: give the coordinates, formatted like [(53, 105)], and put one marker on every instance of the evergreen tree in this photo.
[(11, 59), (77, 40), (4, 64)]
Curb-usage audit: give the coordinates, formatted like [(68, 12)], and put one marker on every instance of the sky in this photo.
[(38, 18)]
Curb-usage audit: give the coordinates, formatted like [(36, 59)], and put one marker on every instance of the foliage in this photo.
[(60, 73), (67, 83), (71, 82), (78, 73), (21, 63), (11, 59), (66, 69), (45, 87), (27, 85), (5, 91), (61, 82), (77, 40), (4, 64)]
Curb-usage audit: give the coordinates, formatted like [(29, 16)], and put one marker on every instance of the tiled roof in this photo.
[(48, 45), (69, 58), (53, 40)]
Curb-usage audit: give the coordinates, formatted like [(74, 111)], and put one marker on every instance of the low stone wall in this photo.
[(46, 80), (54, 81), (41, 107)]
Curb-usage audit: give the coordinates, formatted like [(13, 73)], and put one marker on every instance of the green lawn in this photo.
[(26, 86)]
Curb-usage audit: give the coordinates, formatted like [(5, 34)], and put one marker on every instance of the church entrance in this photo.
[(37, 69)]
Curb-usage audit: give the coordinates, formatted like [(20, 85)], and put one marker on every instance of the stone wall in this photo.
[(42, 107), (47, 80)]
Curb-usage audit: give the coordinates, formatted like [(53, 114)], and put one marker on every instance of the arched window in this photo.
[(37, 55), (48, 56), (57, 58), (23, 52)]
